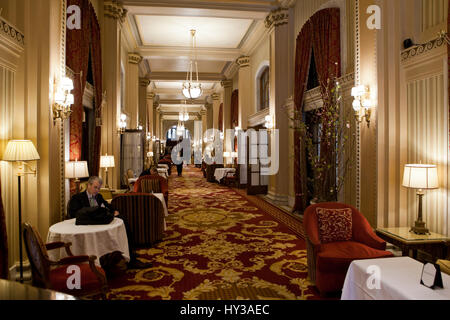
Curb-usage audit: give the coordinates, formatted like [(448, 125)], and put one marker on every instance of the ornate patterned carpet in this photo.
[(218, 245)]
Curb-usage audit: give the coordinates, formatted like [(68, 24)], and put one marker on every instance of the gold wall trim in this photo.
[(419, 50), (12, 33)]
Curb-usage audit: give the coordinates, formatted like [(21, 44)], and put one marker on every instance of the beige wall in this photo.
[(260, 55), (30, 117)]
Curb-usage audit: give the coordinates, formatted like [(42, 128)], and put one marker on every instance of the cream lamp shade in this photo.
[(107, 162), (76, 169), (420, 176), (20, 150)]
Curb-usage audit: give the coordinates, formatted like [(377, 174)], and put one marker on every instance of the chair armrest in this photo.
[(369, 238), (60, 244), (75, 259)]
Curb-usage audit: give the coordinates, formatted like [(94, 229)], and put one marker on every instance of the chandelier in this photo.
[(183, 115), (192, 90)]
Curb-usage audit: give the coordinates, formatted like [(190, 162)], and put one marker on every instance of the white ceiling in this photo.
[(174, 31), (182, 64)]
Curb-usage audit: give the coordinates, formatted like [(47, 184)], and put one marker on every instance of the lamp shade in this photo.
[(420, 176), (76, 169), (107, 162), (20, 150)]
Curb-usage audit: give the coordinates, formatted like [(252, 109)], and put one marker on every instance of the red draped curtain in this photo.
[(80, 44), (3, 242), (320, 33), (96, 61), (221, 117)]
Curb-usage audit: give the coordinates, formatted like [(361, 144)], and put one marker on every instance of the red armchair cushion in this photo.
[(337, 256), (334, 224), (89, 281)]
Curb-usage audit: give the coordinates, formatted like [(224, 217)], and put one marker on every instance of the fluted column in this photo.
[(142, 115), (245, 92), (150, 113), (114, 15), (158, 123), (215, 110), (277, 23), (132, 89)]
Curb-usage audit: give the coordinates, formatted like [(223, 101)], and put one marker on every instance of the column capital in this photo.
[(134, 58), (115, 10), (215, 96), (203, 113), (151, 95), (144, 82), (227, 83), (277, 18), (243, 61)]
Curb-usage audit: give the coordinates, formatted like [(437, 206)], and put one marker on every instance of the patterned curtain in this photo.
[(77, 59), (321, 33), (302, 62), (235, 108), (3, 242), (221, 117), (96, 60)]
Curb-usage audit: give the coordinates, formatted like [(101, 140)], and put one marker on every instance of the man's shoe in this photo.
[(139, 265)]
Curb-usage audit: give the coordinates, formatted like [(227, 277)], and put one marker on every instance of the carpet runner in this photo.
[(218, 246)]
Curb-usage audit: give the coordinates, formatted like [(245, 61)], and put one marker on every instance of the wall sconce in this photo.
[(140, 128), (122, 123), (269, 123), (62, 99), (149, 136), (362, 100)]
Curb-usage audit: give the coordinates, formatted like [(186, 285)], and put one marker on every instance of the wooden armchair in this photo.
[(145, 215), (232, 179), (53, 275), (153, 184)]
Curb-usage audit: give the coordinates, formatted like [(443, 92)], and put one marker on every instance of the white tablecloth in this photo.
[(220, 173), (89, 240), (163, 172), (164, 166), (399, 280), (160, 196)]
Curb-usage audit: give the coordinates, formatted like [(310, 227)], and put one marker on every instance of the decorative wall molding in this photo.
[(115, 10), (258, 118), (422, 49), (144, 82), (277, 18), (12, 33), (226, 83)]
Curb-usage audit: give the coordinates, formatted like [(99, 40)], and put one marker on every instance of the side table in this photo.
[(434, 244)]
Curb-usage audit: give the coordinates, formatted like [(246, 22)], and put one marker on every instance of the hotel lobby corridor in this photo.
[(219, 245)]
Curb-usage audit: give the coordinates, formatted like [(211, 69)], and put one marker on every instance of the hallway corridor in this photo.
[(218, 245)]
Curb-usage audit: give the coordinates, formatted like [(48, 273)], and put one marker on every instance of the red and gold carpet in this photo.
[(218, 246)]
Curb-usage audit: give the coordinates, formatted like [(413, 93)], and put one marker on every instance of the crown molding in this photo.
[(12, 44), (211, 54), (421, 51), (115, 10), (243, 61), (181, 76), (277, 18)]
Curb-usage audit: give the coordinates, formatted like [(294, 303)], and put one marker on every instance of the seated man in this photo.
[(92, 198)]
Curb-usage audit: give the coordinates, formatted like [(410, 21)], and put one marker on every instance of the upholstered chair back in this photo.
[(145, 215)]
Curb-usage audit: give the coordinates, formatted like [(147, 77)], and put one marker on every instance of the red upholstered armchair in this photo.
[(53, 275), (153, 183), (328, 261)]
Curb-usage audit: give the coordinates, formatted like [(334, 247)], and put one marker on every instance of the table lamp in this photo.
[(420, 177), (107, 162), (21, 151), (75, 170)]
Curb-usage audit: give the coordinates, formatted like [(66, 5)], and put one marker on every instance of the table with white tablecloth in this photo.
[(399, 279), (220, 173), (163, 172), (89, 239), (160, 196)]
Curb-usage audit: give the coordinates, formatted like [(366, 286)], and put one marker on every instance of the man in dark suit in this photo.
[(92, 198)]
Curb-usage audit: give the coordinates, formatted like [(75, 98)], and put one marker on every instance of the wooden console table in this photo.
[(434, 244)]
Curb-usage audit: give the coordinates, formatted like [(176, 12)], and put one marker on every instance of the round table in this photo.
[(220, 173), (94, 240)]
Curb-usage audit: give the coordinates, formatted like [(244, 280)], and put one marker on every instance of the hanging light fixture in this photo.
[(192, 90), (183, 115)]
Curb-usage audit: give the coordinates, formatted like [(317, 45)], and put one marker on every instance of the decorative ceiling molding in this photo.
[(231, 70), (185, 52), (11, 33), (258, 118), (181, 76), (243, 61), (232, 5), (134, 58)]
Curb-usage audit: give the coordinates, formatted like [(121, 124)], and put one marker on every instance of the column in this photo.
[(112, 23), (132, 89), (277, 23), (227, 91), (204, 121), (150, 113), (215, 110), (158, 123), (142, 115), (245, 91)]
